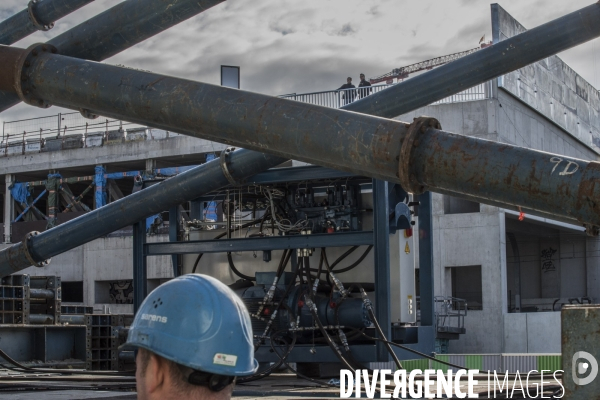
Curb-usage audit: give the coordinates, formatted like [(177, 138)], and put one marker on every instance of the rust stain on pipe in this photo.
[(10, 58)]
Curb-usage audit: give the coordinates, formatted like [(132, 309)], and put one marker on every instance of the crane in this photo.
[(403, 72)]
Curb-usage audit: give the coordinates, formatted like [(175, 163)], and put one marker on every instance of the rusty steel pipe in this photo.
[(41, 319), (508, 55), (41, 294), (119, 28), (372, 146), (10, 57), (40, 15), (38, 247)]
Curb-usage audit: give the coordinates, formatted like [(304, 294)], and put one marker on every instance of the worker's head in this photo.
[(159, 378), (193, 337), (349, 80), (362, 77)]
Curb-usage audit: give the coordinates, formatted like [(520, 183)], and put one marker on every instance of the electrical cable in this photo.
[(385, 341), (409, 349), (340, 258), (236, 271), (263, 374), (357, 262), (219, 236), (298, 373), (327, 267), (196, 263), (313, 310)]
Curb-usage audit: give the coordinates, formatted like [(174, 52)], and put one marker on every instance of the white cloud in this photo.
[(286, 46)]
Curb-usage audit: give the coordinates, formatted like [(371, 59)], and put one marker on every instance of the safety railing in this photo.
[(341, 97), (44, 133), (450, 314), (335, 98), (68, 131)]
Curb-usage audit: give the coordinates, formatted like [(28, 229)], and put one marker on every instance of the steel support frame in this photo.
[(381, 233), (422, 337), (140, 270), (174, 236)]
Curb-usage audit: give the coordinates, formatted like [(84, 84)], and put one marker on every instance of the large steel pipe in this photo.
[(38, 16), (503, 57), (119, 28), (372, 146), (234, 166)]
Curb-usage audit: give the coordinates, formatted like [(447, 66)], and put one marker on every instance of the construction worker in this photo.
[(348, 95), (193, 337), (364, 83)]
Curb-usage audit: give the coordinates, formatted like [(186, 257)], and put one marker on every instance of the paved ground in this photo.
[(275, 387)]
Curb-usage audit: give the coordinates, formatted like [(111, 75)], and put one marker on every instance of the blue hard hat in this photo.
[(196, 321)]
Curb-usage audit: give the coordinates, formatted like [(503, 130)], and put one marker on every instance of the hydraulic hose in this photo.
[(310, 302), (374, 320)]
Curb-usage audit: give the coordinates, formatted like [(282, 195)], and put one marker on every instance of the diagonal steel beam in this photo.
[(414, 155), (38, 16), (119, 28), (419, 156), (508, 55), (198, 181)]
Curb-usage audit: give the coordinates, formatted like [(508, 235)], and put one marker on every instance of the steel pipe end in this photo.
[(27, 253), (419, 126), (22, 81), (40, 26)]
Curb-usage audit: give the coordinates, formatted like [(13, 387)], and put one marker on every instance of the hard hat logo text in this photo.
[(154, 318)]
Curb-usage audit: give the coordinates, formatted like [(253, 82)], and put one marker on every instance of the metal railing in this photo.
[(450, 313), (335, 98), (40, 134), (31, 135), (341, 97)]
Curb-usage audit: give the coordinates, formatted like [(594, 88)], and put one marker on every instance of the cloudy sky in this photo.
[(286, 46)]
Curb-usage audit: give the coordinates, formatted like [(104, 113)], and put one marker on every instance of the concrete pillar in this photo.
[(9, 209), (150, 166)]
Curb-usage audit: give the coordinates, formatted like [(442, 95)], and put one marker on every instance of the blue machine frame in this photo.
[(420, 338)]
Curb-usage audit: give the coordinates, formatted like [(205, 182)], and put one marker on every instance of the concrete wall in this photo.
[(532, 333), (465, 240), (523, 126), (552, 88), (479, 238), (127, 151)]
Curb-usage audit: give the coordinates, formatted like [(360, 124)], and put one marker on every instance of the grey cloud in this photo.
[(373, 11), (331, 40), (346, 30), (470, 34)]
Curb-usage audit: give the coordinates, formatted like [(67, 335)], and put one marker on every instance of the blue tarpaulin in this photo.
[(20, 192), (211, 206), (120, 175), (150, 221), (100, 182)]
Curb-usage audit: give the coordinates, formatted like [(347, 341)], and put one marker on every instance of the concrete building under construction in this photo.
[(488, 279)]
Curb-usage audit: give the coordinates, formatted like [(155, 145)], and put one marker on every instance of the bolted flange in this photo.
[(224, 161), (23, 84), (408, 180), (26, 244)]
